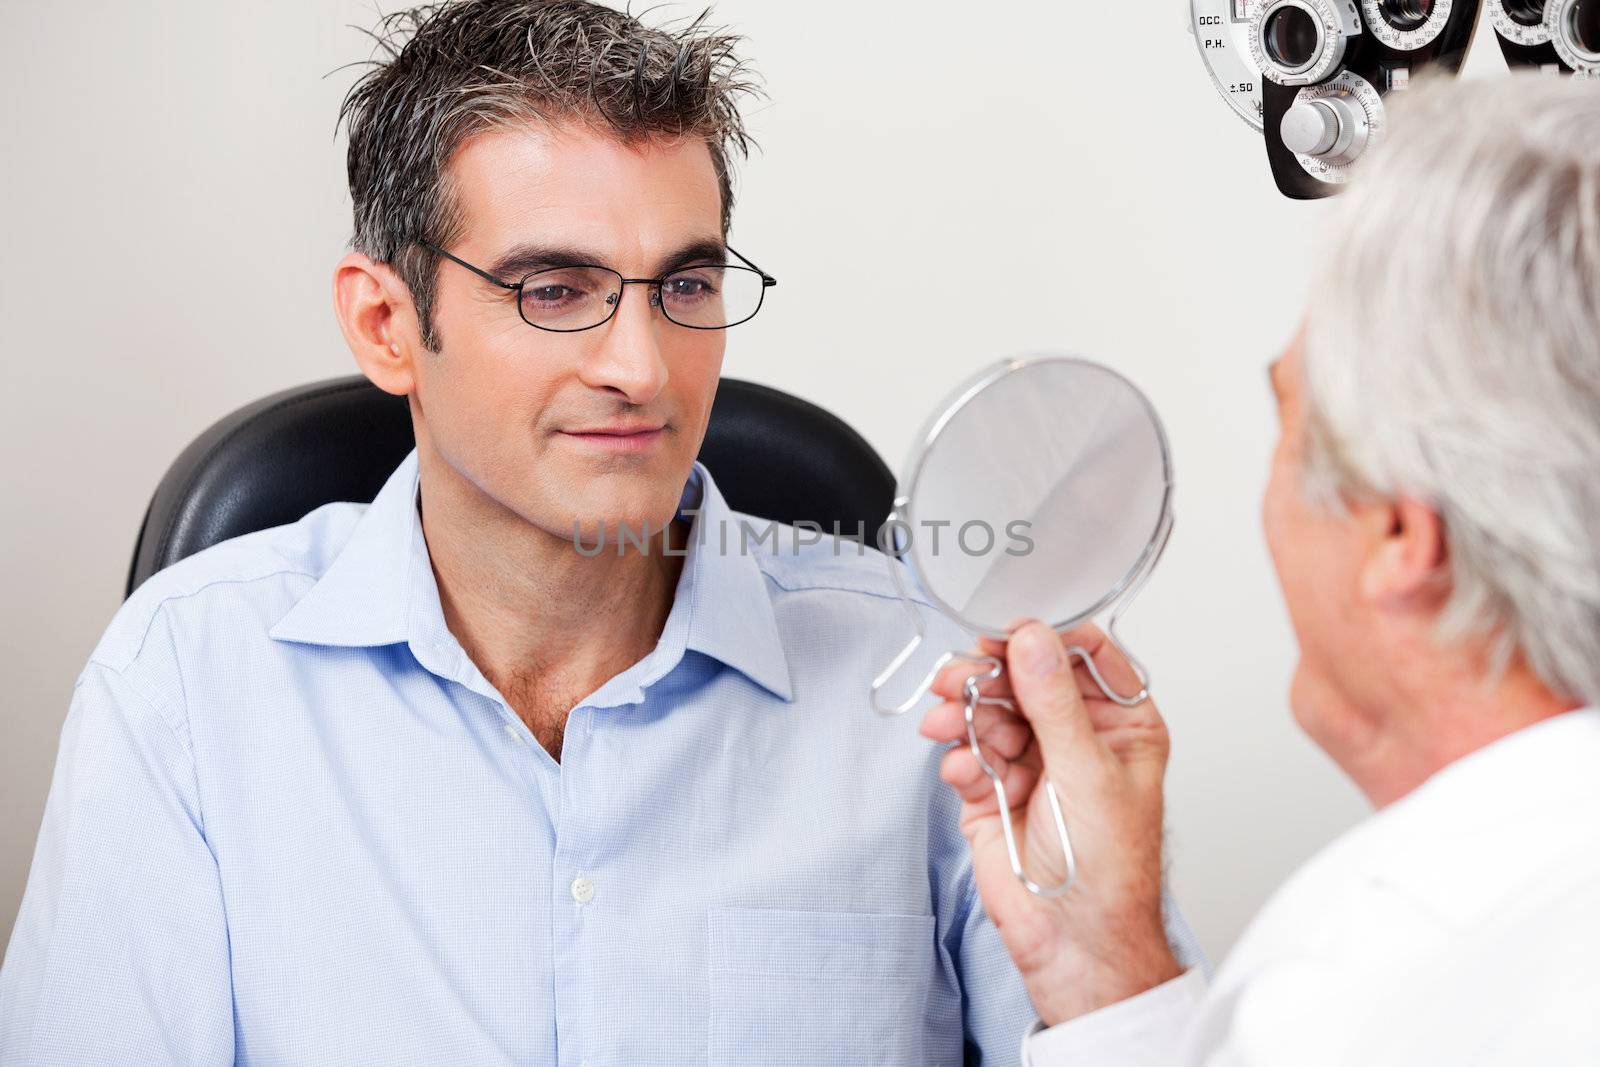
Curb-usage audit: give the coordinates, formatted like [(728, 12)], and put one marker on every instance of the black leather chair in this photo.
[(271, 462)]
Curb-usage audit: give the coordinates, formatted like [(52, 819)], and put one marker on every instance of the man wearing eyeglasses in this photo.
[(417, 782)]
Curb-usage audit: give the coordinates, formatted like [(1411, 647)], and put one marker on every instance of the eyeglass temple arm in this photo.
[(767, 280), (485, 275)]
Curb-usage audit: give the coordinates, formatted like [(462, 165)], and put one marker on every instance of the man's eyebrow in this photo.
[(706, 250), (524, 259)]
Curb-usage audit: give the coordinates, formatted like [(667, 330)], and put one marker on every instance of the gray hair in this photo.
[(451, 70), (1453, 355)]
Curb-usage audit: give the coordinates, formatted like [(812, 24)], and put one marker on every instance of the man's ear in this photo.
[(379, 321), (1407, 554)]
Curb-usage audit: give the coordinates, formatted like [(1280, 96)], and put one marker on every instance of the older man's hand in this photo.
[(1103, 940)]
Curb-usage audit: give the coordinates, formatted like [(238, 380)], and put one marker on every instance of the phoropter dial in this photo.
[(1406, 25), (1522, 22), (1329, 129), (1332, 124), (1302, 42), (1574, 28)]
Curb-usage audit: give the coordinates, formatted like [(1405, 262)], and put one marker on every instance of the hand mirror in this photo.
[(1041, 488)]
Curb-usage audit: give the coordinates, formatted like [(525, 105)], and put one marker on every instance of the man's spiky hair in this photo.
[(451, 70)]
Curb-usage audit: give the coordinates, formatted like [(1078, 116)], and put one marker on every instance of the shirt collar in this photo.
[(380, 589), (1468, 836), (731, 618)]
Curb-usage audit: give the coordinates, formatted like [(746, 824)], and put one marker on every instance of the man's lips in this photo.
[(620, 437)]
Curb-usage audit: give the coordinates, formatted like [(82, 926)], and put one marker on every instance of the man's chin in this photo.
[(614, 520), (622, 500), (1314, 703)]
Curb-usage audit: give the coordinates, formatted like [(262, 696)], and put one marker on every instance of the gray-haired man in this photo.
[(1434, 515)]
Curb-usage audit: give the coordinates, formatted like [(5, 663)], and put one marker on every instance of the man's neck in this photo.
[(1436, 717), (544, 623)]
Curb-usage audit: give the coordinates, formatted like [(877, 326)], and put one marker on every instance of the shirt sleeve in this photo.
[(120, 951), (996, 1006), (1147, 1030)]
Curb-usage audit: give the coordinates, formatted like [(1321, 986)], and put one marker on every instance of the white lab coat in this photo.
[(1460, 925)]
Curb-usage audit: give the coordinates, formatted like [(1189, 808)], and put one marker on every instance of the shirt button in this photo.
[(582, 890), (516, 733)]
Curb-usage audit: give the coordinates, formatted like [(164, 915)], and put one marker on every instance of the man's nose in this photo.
[(628, 359)]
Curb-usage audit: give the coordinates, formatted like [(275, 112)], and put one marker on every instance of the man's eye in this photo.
[(549, 294), (696, 286)]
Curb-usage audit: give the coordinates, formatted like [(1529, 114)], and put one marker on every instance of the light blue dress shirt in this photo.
[(292, 823)]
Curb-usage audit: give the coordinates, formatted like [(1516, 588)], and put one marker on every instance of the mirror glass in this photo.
[(1041, 489)]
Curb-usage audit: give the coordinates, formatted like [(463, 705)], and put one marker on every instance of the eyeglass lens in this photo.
[(703, 297)]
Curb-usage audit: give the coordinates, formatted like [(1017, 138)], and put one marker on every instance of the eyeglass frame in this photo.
[(767, 282)]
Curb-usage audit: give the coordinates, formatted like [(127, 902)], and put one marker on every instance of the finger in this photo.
[(1005, 733), (951, 680), (962, 772), (1109, 660), (1000, 688), (1048, 696), (998, 725), (944, 722), (947, 721)]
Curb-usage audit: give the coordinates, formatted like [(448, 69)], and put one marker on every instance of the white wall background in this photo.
[(174, 201)]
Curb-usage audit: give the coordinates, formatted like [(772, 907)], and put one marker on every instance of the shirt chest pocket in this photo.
[(808, 988)]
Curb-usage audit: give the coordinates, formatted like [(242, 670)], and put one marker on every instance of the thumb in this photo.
[(1047, 695)]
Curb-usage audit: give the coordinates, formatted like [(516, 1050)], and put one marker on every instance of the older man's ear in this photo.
[(1407, 562), (379, 321)]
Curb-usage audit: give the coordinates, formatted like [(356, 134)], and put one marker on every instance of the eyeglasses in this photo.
[(711, 296)]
